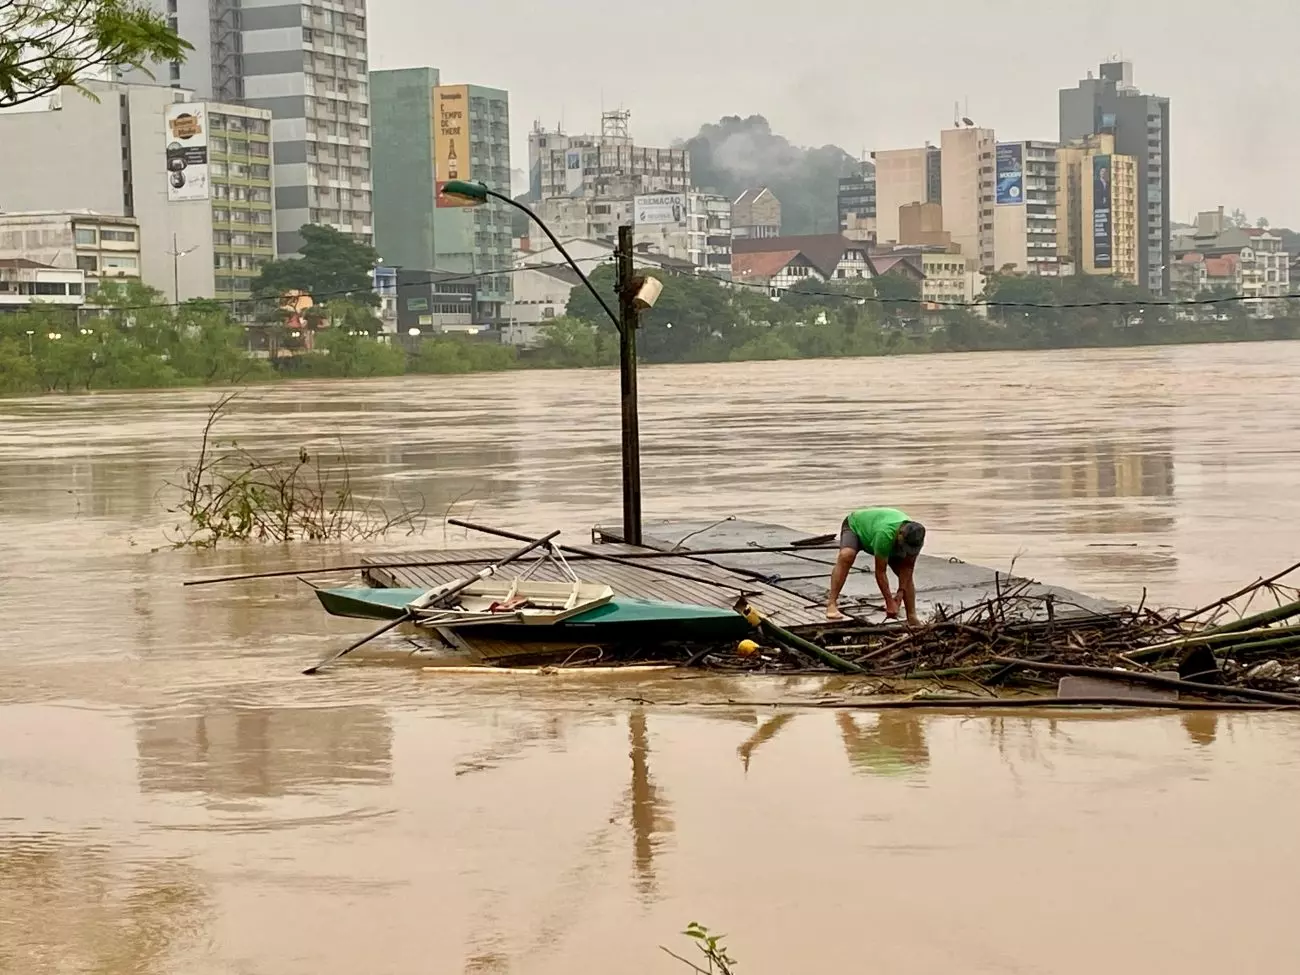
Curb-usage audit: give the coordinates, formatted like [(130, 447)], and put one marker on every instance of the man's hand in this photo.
[(891, 608)]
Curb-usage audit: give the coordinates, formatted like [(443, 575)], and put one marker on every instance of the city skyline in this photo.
[(1005, 72)]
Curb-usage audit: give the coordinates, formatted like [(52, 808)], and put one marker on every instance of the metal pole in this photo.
[(176, 271), (627, 376)]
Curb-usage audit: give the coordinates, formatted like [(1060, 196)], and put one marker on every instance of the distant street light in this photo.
[(633, 294)]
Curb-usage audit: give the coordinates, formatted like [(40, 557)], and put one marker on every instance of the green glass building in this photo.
[(411, 132)]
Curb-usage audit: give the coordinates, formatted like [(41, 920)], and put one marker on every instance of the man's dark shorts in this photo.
[(849, 538)]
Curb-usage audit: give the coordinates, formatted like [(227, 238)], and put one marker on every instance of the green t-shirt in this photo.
[(876, 527)]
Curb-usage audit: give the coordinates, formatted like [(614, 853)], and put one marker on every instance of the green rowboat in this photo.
[(623, 617)]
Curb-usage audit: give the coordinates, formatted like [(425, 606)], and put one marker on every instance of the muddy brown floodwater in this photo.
[(175, 798)]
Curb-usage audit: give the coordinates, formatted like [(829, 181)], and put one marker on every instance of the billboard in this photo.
[(185, 130), (450, 140), (659, 208), (1010, 173), (1101, 212)]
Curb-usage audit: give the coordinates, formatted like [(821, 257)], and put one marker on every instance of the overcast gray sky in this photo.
[(884, 75)]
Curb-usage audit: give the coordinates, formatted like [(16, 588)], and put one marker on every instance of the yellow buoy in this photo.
[(746, 648)]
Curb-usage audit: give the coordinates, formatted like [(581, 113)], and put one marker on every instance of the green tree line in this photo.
[(696, 319)]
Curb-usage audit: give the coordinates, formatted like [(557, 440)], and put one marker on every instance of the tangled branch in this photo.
[(230, 494)]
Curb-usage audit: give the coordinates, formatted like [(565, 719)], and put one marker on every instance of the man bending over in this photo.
[(895, 541)]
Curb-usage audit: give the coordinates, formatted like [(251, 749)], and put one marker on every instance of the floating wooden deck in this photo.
[(790, 587), (947, 582)]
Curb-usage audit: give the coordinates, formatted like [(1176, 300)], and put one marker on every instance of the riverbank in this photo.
[(187, 354)]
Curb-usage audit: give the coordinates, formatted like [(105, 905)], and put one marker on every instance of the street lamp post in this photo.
[(176, 254), (632, 293)]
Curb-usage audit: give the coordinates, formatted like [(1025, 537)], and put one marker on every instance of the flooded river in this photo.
[(175, 798)]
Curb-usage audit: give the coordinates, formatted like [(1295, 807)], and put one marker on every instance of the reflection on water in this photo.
[(884, 744), (69, 905), (648, 810), (174, 797), (241, 752)]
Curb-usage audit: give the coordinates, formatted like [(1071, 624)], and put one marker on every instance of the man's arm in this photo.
[(882, 580)]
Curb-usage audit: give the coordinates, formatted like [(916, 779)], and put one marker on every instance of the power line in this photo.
[(1152, 302), (453, 279), (970, 305)]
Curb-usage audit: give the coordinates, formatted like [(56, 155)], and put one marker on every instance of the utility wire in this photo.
[(478, 275), (1049, 306), (765, 291)]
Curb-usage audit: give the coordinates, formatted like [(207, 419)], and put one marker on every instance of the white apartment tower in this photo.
[(968, 191), (307, 63)]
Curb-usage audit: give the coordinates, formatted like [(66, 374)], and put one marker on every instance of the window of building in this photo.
[(235, 123), (121, 236), (217, 144), (86, 235), (262, 217), (240, 240), (220, 191), (259, 172), (88, 263), (174, 71), (259, 149), (260, 194), (238, 147), (239, 216), (120, 261), (49, 288), (257, 126), (74, 288), (239, 170), (217, 168)]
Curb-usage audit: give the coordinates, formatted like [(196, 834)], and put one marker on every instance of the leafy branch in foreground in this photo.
[(709, 945), (47, 44), (230, 494)]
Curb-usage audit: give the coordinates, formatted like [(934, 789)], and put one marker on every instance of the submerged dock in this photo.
[(790, 587)]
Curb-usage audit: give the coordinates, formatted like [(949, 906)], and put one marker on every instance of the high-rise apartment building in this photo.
[(306, 63), (855, 202), (1111, 104), (1097, 208), (904, 177), (603, 165), (968, 191), (197, 177), (425, 134), (1025, 208)]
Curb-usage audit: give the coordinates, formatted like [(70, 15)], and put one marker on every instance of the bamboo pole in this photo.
[(1154, 680), (426, 563)]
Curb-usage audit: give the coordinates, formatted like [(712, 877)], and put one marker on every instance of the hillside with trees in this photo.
[(733, 154)]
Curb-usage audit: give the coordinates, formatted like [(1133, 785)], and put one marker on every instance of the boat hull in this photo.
[(622, 617)]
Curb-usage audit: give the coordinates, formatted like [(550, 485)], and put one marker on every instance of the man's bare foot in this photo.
[(833, 613)]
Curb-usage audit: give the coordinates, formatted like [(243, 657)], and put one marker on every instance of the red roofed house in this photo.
[(832, 256), (777, 271)]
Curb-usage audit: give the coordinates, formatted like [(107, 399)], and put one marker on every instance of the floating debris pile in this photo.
[(1220, 651)]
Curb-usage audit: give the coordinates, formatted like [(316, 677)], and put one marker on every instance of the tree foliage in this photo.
[(333, 267), (48, 44), (734, 154), (129, 339)]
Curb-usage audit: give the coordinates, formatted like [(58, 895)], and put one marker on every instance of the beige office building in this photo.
[(904, 177), (1097, 208), (968, 188), (1026, 181)]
